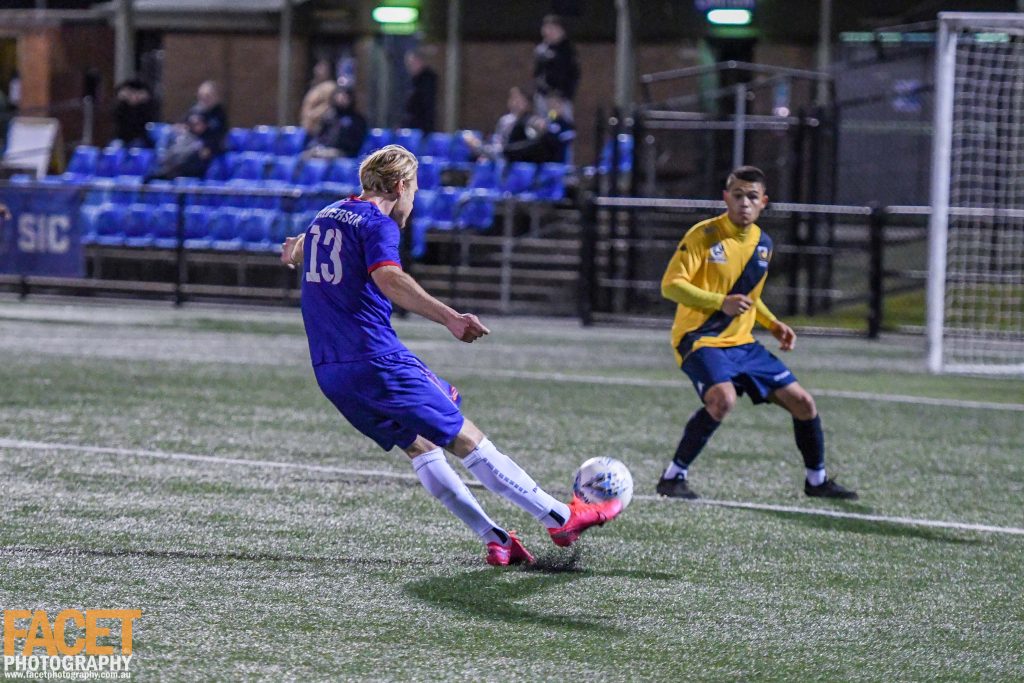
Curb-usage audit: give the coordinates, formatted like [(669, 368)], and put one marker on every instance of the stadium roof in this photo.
[(205, 14)]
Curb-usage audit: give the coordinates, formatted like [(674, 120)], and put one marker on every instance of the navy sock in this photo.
[(811, 442), (698, 430)]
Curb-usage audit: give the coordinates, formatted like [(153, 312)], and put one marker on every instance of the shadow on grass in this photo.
[(876, 528), (490, 594), (202, 555)]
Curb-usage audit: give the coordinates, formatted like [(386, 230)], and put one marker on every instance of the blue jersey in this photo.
[(347, 317)]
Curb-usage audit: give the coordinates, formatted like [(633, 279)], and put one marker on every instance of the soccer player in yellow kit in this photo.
[(716, 276)]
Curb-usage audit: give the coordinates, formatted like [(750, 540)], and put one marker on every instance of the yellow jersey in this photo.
[(714, 259)]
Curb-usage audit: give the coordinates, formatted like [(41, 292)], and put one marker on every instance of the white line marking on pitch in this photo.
[(164, 455), (834, 393)]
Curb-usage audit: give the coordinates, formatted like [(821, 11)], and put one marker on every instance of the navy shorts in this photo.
[(393, 399), (751, 368)]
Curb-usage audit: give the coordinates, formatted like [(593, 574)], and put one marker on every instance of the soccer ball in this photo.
[(600, 479)]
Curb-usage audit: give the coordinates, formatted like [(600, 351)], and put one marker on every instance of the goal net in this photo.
[(976, 248)]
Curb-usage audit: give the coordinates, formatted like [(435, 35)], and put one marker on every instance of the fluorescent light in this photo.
[(395, 15), (730, 17)]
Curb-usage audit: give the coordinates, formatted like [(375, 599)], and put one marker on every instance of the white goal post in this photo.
[(975, 295)]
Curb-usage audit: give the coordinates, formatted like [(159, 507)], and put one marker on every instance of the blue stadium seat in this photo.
[(98, 193), (375, 139), (207, 199), (476, 210), (344, 171), (625, 141), (161, 192), (83, 162), (460, 150), (197, 227), (312, 172), (428, 175), (421, 219), (223, 230), (239, 201), (519, 179), (438, 145), (291, 140), (256, 229), (111, 224), (109, 161), (159, 133), (127, 194), (220, 167), (87, 216), (283, 169), (249, 166), (443, 208), (164, 226), (138, 162), (410, 138), (550, 183), (261, 139), (485, 176), (314, 200), (146, 221), (299, 222), (238, 139)]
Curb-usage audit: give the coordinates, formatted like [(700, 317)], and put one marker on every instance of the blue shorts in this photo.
[(393, 399), (751, 368)]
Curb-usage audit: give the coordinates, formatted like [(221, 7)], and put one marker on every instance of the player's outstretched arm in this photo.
[(291, 251), (402, 289)]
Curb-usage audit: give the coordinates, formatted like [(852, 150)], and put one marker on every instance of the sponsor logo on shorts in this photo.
[(781, 375)]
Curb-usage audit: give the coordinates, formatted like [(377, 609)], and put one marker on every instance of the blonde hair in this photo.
[(381, 171)]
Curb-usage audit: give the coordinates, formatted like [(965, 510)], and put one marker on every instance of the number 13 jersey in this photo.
[(347, 317)]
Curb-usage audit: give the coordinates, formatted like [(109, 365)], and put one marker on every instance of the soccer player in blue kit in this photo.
[(716, 277), (352, 274)]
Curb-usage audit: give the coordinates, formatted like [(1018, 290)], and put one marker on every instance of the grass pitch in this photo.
[(184, 463)]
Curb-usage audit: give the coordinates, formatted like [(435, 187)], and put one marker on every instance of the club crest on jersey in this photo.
[(717, 254), (762, 256)]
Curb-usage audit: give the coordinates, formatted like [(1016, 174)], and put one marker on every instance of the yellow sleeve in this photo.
[(676, 283), (764, 316)]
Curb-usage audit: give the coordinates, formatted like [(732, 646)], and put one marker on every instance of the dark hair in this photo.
[(751, 174), (553, 19)]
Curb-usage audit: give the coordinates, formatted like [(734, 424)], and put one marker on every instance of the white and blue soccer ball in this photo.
[(601, 479)]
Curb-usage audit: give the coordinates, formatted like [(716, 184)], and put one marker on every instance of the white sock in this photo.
[(673, 470), (440, 479), (501, 475), (815, 477)]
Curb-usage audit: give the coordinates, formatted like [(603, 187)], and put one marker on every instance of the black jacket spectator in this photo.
[(342, 128), (215, 119), (421, 103), (134, 109), (555, 66), (552, 143)]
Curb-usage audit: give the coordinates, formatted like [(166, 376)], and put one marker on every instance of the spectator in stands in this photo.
[(14, 91), (421, 102), (517, 125), (555, 66), (553, 142), (215, 119), (317, 100), (187, 154), (342, 128), (134, 109)]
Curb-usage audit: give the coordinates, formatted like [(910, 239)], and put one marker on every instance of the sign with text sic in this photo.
[(39, 233)]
